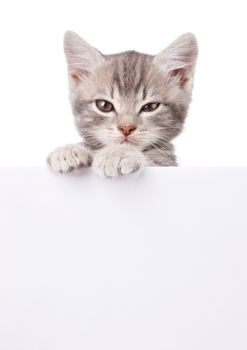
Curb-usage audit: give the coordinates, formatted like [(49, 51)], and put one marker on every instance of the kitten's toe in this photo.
[(69, 158), (129, 165)]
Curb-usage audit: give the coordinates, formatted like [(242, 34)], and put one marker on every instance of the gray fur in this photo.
[(129, 80)]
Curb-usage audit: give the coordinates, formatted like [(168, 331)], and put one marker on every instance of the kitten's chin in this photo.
[(134, 144), (124, 141)]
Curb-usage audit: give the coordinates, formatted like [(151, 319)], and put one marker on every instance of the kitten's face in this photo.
[(130, 97)]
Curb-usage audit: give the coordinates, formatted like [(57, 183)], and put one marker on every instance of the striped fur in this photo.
[(130, 80)]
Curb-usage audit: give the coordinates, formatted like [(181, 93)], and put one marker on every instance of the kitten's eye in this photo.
[(150, 107), (104, 106)]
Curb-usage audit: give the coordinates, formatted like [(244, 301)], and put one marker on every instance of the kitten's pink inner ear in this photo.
[(79, 75), (75, 76), (182, 75)]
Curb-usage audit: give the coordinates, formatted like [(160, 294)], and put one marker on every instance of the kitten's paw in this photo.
[(69, 158), (117, 161)]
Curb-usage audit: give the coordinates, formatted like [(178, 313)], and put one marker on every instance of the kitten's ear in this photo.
[(81, 57), (178, 60)]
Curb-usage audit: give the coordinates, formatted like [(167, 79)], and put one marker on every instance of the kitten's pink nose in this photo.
[(127, 129)]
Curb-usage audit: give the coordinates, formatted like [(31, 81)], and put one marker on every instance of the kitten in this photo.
[(128, 106)]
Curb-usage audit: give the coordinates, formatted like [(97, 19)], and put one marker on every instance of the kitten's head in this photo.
[(130, 97)]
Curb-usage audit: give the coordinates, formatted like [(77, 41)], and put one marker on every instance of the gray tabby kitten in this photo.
[(128, 106)]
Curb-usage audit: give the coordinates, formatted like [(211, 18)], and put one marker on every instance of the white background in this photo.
[(163, 265), (35, 115), (156, 262)]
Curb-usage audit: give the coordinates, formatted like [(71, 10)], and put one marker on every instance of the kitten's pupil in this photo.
[(150, 107), (104, 106)]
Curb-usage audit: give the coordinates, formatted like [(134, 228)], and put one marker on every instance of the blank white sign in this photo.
[(154, 261)]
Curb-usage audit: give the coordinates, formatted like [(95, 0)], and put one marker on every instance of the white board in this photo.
[(152, 262)]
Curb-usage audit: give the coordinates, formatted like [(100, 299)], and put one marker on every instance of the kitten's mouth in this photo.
[(126, 139)]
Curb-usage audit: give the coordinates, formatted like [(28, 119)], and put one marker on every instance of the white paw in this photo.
[(69, 157), (117, 161)]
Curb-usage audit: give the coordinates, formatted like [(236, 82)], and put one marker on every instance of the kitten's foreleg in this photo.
[(109, 161), (69, 158)]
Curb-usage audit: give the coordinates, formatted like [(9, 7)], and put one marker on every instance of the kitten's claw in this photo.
[(69, 158), (117, 161)]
